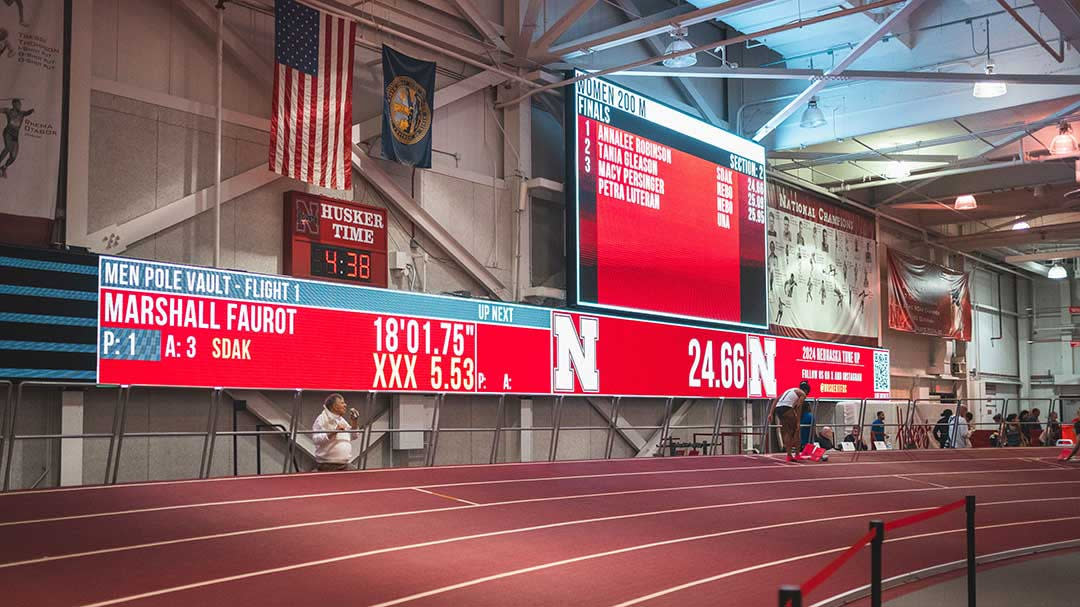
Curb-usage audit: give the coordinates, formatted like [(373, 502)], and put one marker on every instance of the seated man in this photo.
[(825, 439), (854, 437)]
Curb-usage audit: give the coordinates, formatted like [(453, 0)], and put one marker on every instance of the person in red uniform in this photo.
[(787, 410)]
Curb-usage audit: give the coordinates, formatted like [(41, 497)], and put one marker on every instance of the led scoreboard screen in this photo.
[(333, 239), (163, 324), (668, 212)]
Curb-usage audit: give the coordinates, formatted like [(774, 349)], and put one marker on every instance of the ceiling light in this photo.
[(1057, 271), (897, 170), (812, 117), (1063, 143), (965, 203), (1021, 225), (678, 45), (986, 89)]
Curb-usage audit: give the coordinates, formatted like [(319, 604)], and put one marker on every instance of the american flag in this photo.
[(311, 123)]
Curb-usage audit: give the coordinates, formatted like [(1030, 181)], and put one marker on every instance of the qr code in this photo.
[(881, 371)]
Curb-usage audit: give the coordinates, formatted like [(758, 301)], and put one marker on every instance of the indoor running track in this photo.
[(722, 530)]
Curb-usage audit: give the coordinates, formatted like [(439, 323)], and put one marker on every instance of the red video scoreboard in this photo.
[(667, 212), (333, 239)]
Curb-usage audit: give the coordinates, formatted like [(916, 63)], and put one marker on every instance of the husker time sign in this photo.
[(164, 324), (333, 239)]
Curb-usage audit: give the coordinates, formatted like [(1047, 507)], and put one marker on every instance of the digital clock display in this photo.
[(340, 262)]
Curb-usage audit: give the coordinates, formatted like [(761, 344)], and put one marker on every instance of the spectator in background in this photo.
[(1076, 429), (877, 428), (996, 439), (1034, 428), (1014, 435), (1025, 421), (806, 423), (941, 429), (959, 431), (1053, 430), (826, 438), (854, 437)]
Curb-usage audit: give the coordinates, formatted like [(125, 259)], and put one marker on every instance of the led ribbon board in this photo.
[(171, 325), (666, 212)]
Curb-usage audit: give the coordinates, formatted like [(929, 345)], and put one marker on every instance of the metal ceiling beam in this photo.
[(427, 224), (860, 49), (649, 26), (1049, 256), (794, 155), (1060, 232), (616, 34), (779, 73), (477, 19), (723, 42), (847, 187), (560, 26), (523, 40), (918, 145), (687, 87)]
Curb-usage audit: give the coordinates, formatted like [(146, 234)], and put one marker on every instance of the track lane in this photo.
[(441, 564)]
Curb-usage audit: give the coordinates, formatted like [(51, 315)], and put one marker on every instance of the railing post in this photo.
[(665, 426), (613, 423), (369, 416), (433, 442), (211, 433), (717, 419), (499, 414), (790, 596), (298, 395), (9, 435), (556, 415), (875, 561), (969, 507), (113, 472)]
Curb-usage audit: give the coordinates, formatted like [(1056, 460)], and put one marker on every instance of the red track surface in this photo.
[(663, 531)]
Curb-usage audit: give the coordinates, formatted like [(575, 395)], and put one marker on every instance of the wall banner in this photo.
[(927, 298), (823, 269), (31, 105)]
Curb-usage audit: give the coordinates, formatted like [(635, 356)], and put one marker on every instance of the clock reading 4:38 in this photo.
[(340, 262)]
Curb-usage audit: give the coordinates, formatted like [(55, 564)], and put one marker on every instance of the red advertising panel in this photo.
[(162, 324), (333, 239), (927, 298), (668, 212)]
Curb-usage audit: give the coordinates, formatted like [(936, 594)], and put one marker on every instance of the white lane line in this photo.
[(476, 483), (506, 503), (727, 574), (521, 530), (449, 497), (270, 478), (915, 480)]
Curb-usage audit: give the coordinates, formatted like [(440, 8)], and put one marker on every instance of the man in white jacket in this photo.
[(333, 441), (959, 430)]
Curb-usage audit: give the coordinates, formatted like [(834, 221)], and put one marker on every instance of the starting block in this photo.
[(812, 453), (1064, 453)]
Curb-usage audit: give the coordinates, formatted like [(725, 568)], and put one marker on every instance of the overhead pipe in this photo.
[(847, 187), (1058, 55), (704, 47)]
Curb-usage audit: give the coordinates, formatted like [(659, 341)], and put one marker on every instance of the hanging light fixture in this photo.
[(679, 44), (812, 117), (987, 89), (1021, 225), (1057, 271), (965, 202), (1064, 143), (897, 170)]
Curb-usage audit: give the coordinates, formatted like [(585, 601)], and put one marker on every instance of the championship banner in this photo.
[(31, 102), (927, 298), (171, 325), (823, 269), (408, 102)]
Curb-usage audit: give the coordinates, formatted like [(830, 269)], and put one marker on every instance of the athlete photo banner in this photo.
[(823, 269), (928, 299), (170, 325), (31, 106)]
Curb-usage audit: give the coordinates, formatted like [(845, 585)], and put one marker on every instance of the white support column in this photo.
[(71, 450), (517, 163), (78, 161)]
